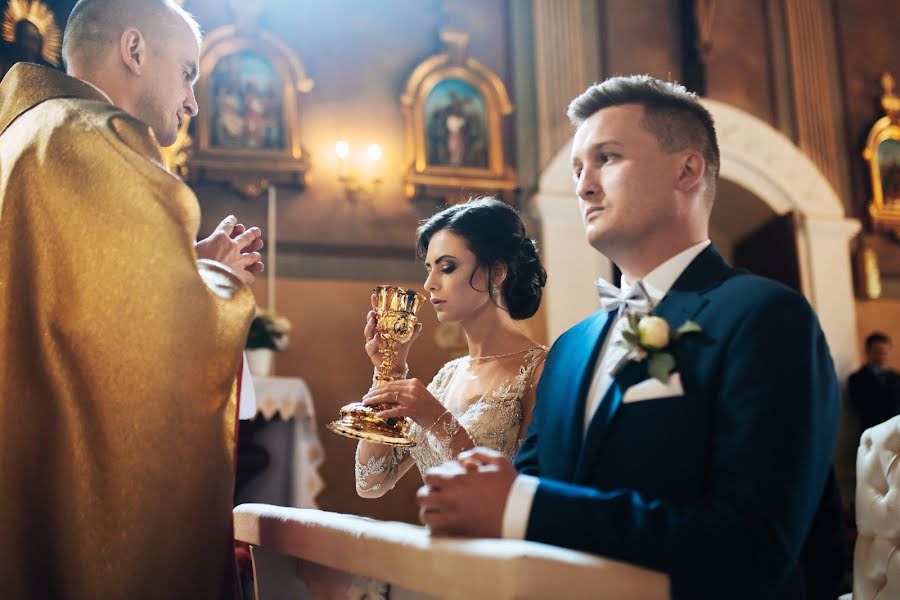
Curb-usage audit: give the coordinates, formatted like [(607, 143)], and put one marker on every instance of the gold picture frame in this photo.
[(882, 152), (32, 18), (453, 107), (247, 132)]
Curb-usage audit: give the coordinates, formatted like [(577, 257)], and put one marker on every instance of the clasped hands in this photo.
[(467, 497), (464, 497), (235, 246)]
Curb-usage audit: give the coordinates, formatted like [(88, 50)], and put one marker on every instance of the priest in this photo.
[(119, 349)]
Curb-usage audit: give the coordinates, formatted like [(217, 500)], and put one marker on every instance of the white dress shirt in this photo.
[(657, 284)]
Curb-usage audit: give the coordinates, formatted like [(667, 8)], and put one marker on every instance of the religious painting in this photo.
[(246, 103), (882, 151), (889, 168), (456, 132), (454, 108), (247, 132)]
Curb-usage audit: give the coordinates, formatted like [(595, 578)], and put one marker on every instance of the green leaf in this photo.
[(633, 320), (688, 327), (632, 338), (660, 365)]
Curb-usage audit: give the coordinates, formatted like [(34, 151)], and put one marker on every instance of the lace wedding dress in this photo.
[(484, 396)]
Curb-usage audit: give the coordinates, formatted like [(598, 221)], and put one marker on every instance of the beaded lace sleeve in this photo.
[(381, 471), (493, 421)]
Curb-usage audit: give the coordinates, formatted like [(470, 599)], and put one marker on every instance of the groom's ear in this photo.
[(692, 169)]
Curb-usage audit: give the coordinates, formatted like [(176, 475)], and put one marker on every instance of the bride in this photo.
[(484, 273)]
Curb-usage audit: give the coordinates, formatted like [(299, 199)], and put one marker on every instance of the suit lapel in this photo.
[(578, 362), (600, 422), (683, 302)]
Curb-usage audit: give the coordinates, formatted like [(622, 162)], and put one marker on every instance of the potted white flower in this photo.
[(268, 333)]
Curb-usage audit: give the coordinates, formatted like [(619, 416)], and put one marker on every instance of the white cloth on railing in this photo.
[(290, 399), (287, 397)]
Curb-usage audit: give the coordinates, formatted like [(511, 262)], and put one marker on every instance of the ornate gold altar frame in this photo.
[(430, 178), (38, 14), (249, 170), (882, 151)]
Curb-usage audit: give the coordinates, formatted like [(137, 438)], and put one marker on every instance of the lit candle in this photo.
[(375, 161), (342, 150)]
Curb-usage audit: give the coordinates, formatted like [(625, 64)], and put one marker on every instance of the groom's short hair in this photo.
[(672, 114)]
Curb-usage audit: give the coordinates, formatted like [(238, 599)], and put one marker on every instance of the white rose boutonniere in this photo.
[(650, 337), (653, 332)]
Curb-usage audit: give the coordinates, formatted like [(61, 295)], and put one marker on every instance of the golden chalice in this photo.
[(395, 322)]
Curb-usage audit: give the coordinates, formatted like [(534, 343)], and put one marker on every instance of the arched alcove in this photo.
[(767, 165), (736, 214)]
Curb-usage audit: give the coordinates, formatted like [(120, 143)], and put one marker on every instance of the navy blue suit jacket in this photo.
[(718, 487)]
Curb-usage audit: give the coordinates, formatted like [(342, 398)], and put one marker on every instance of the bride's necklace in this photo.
[(501, 355)]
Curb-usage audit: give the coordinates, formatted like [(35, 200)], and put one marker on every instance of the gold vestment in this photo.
[(118, 358)]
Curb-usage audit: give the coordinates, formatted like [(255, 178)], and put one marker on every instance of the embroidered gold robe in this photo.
[(118, 356)]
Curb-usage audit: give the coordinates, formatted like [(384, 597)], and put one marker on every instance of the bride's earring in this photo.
[(494, 290)]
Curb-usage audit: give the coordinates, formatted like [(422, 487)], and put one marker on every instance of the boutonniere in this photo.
[(649, 337)]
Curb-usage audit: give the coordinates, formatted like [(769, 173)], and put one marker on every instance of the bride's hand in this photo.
[(374, 345), (406, 398)]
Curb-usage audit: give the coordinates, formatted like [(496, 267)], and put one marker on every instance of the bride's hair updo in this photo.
[(495, 234)]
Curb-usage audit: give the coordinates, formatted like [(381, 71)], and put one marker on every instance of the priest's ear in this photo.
[(133, 50)]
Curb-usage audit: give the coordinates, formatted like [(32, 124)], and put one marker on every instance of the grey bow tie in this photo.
[(634, 298)]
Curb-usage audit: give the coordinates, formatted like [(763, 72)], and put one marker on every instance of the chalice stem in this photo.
[(386, 368)]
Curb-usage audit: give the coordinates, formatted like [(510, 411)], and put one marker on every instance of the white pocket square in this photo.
[(650, 389)]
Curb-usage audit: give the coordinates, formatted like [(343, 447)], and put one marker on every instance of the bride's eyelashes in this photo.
[(444, 266)]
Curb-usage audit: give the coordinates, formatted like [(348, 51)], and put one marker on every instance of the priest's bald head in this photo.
[(143, 54)]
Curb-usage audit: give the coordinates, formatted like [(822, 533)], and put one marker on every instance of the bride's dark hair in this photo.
[(494, 233)]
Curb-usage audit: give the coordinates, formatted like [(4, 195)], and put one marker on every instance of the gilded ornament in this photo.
[(38, 14)]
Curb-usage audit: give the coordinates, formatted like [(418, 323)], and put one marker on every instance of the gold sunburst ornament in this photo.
[(38, 14)]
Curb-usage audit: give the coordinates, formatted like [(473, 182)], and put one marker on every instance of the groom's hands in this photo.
[(468, 496)]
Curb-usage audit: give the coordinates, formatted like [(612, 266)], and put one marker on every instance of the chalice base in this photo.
[(359, 421)]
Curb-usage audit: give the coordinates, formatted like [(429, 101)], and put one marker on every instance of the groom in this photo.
[(709, 469)]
